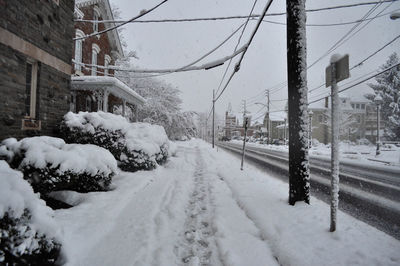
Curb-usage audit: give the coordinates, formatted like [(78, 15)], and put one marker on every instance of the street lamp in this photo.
[(378, 101), (310, 113)]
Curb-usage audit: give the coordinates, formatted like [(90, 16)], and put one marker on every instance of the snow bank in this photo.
[(49, 164), (135, 145), (26, 223)]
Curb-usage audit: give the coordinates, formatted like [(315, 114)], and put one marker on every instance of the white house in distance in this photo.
[(94, 88)]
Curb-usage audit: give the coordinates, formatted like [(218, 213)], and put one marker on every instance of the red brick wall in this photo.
[(102, 42)]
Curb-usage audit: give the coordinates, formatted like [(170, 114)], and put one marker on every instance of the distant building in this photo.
[(35, 66), (95, 88), (357, 120), (276, 121)]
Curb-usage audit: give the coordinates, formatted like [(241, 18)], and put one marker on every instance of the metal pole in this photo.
[(269, 120), (284, 132), (334, 149), (378, 125), (309, 131), (213, 120), (244, 144)]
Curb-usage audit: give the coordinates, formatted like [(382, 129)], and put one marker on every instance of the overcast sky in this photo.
[(171, 45)]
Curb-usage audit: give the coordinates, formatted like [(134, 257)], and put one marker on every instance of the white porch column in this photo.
[(123, 108), (105, 100)]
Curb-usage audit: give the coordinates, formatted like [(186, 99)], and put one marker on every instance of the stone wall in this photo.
[(49, 27), (42, 23)]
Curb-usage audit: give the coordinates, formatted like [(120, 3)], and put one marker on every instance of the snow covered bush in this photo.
[(50, 165), (27, 230), (136, 146)]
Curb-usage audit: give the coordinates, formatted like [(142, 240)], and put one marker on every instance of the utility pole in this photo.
[(299, 180), (213, 119), (246, 125), (269, 120)]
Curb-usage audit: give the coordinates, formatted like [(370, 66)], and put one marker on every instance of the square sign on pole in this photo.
[(246, 121), (342, 71)]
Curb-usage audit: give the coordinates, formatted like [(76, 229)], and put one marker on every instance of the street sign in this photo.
[(342, 70), (246, 121)]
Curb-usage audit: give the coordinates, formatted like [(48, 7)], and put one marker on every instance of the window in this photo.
[(95, 52), (363, 106), (359, 119), (357, 106), (107, 60), (320, 118), (78, 50), (88, 106), (95, 23), (352, 105), (31, 89)]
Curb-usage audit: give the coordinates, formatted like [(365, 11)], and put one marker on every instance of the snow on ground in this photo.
[(200, 209), (350, 153)]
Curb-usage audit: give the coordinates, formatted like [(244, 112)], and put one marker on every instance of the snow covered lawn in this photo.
[(200, 209)]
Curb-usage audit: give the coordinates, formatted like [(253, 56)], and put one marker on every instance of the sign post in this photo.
[(246, 125), (338, 70)]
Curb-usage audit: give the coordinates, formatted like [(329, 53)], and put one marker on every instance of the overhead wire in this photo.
[(360, 82), (232, 17), (237, 66), (123, 23), (237, 44)]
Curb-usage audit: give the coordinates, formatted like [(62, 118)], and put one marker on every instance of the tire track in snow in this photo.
[(198, 245)]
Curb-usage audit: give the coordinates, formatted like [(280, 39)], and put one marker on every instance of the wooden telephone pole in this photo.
[(299, 181)]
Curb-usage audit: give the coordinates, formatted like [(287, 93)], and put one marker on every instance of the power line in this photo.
[(364, 60), (123, 23), (237, 66), (334, 24), (231, 17), (205, 66), (342, 39), (237, 44), (358, 83)]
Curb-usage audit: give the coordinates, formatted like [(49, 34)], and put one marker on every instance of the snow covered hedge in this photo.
[(136, 146), (27, 230), (50, 165)]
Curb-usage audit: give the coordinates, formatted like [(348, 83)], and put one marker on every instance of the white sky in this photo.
[(170, 45)]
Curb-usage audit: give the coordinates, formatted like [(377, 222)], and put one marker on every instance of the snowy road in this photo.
[(200, 209)]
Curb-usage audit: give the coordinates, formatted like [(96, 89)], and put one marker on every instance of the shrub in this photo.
[(50, 165), (27, 230), (136, 146)]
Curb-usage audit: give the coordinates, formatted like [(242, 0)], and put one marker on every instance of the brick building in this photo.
[(95, 88), (35, 65)]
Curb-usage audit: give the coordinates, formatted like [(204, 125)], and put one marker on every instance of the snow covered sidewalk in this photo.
[(200, 209)]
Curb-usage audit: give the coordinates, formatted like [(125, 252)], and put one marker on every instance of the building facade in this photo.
[(35, 66), (358, 120), (94, 86)]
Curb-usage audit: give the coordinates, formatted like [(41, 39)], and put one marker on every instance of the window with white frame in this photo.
[(78, 50), (31, 88), (96, 16), (107, 60), (95, 52)]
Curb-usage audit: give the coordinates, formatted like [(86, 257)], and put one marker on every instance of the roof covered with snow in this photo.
[(112, 84)]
